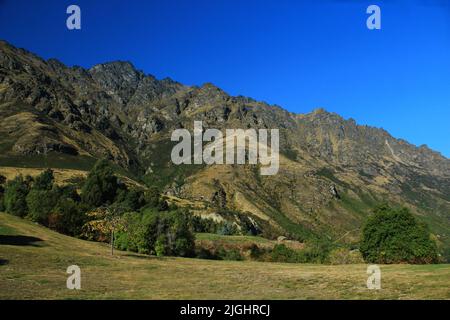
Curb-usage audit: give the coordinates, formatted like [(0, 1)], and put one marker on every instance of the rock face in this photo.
[(331, 174)]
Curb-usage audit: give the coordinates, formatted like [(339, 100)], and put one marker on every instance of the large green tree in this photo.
[(15, 195), (101, 185), (42, 197), (394, 235)]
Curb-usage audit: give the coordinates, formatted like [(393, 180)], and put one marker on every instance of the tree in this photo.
[(2, 192), (106, 221), (170, 234), (68, 217), (101, 185), (153, 199), (394, 235), (132, 199), (40, 203), (160, 233), (45, 180), (16, 191), (43, 197)]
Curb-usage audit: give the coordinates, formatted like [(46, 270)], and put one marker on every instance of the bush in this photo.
[(281, 253), (231, 254), (395, 236), (15, 196), (133, 238)]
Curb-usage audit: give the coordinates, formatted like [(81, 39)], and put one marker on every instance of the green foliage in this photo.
[(46, 203), (131, 199), (44, 197), (153, 199), (2, 192), (316, 252), (281, 253), (68, 217), (101, 185), (159, 233), (394, 235), (44, 181), (227, 229), (204, 225), (237, 223), (40, 203), (14, 199), (133, 237), (230, 254)]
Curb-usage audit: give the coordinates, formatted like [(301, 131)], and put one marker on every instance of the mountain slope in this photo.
[(332, 171)]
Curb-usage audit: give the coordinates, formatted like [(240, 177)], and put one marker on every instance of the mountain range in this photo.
[(332, 173)]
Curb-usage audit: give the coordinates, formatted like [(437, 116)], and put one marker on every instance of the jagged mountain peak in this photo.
[(115, 111)]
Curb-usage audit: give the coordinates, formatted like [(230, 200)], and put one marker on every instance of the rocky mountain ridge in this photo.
[(332, 170)]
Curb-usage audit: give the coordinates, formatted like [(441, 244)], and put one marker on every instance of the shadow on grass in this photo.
[(3, 262), (139, 256), (19, 240)]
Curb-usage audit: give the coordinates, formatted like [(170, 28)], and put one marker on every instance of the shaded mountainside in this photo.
[(332, 171)]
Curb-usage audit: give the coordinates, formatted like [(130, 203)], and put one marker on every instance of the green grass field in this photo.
[(33, 263)]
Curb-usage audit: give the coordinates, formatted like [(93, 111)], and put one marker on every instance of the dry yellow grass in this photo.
[(37, 271), (62, 176)]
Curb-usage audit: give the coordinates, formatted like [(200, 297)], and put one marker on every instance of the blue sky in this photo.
[(298, 54)]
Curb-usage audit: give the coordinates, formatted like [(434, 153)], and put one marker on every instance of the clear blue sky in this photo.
[(298, 54)]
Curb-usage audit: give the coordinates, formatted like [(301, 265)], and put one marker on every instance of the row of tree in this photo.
[(140, 220), (104, 209)]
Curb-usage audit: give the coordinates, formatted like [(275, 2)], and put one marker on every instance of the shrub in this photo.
[(395, 236), (281, 253), (133, 238), (231, 254)]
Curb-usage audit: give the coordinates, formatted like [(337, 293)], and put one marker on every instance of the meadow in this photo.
[(34, 259)]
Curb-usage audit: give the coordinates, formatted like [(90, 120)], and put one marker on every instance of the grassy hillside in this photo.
[(33, 261)]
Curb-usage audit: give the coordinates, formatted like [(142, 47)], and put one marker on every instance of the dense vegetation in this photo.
[(394, 235), (103, 208)]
